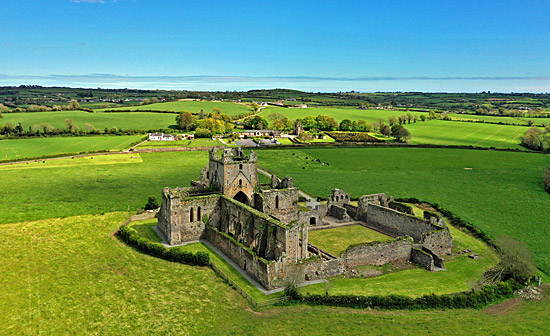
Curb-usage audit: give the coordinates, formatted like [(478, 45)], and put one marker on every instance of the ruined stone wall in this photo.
[(255, 266), (377, 253), (338, 212), (318, 268), (401, 207), (351, 209), (439, 242), (268, 238), (422, 258), (338, 197), (181, 219), (280, 203), (398, 224)]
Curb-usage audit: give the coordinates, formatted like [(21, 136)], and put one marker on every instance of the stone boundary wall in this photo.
[(377, 253), (422, 258), (401, 207), (397, 223), (374, 253), (438, 242), (351, 209)]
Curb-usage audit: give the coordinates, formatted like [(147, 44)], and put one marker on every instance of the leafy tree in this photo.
[(423, 117), (19, 129), (256, 122), (400, 133), (152, 203), (3, 108), (146, 101), (326, 123), (202, 114), (154, 100), (203, 133), (74, 105), (217, 110), (346, 125), (70, 125), (360, 125), (255, 107), (185, 120), (516, 262), (432, 114), (392, 120), (385, 129)]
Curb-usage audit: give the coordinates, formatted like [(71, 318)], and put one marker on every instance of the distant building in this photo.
[(161, 137), (259, 133)]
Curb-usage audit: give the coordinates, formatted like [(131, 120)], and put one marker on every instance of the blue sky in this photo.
[(310, 45)]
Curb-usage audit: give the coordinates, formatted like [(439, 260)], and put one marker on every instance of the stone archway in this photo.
[(241, 197)]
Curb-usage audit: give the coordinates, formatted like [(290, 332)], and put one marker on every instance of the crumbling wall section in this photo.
[(422, 258), (439, 242), (398, 224), (280, 203), (401, 207), (377, 253)]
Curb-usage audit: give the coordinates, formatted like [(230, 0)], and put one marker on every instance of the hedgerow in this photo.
[(131, 237), (475, 298)]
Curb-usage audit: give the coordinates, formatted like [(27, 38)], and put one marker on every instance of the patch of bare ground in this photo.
[(503, 307), (425, 206)]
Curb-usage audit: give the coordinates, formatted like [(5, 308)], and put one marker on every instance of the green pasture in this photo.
[(501, 193), (338, 113), (122, 120), (228, 108), (71, 276), (336, 240), (442, 132), (494, 119), (35, 147)]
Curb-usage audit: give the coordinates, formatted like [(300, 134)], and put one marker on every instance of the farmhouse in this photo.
[(161, 137), (263, 229)]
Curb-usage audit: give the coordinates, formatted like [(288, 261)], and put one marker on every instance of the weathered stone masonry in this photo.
[(262, 229)]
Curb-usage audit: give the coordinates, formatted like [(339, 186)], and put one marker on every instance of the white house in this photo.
[(161, 137)]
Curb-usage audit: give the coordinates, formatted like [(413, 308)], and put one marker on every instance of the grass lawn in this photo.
[(336, 240), (200, 142), (338, 113), (30, 194), (228, 108), (441, 132), (92, 160), (503, 193), (123, 120), (25, 148), (71, 276), (461, 275)]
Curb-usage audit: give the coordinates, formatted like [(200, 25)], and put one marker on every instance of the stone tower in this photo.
[(234, 174)]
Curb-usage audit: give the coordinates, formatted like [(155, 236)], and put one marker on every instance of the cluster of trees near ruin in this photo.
[(537, 138)]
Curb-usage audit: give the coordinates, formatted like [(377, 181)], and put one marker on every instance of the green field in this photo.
[(71, 276), (441, 132), (122, 120), (338, 113), (26, 148), (503, 193), (201, 142), (228, 108), (336, 240)]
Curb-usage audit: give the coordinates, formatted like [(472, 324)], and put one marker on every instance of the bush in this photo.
[(131, 237), (353, 137), (152, 203), (203, 133)]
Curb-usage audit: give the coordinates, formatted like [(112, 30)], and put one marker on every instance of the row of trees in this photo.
[(73, 105), (46, 129)]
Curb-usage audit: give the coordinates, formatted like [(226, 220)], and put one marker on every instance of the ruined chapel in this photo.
[(264, 230)]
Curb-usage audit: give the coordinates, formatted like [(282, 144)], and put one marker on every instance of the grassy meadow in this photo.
[(336, 240), (338, 113), (502, 193), (35, 147), (122, 120), (71, 276), (228, 108), (442, 132)]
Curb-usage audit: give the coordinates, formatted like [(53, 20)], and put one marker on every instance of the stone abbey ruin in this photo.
[(263, 229)]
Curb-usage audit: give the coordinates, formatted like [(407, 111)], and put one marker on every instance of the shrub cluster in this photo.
[(353, 137), (470, 299), (131, 237)]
